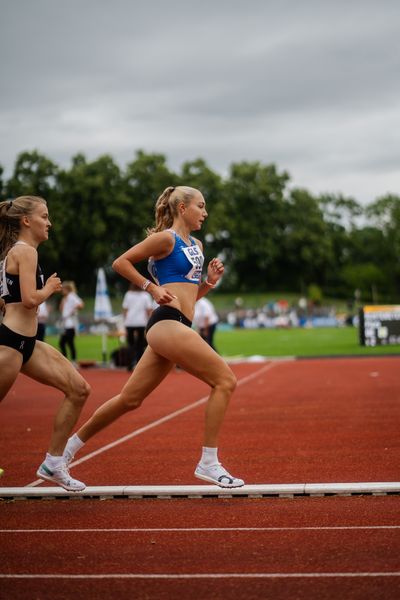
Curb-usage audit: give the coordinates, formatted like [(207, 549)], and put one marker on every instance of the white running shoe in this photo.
[(61, 477), (218, 475)]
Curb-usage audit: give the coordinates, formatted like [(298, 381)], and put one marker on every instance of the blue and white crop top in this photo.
[(10, 289), (183, 265)]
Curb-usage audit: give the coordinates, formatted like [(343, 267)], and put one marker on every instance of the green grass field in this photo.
[(324, 341), (264, 342)]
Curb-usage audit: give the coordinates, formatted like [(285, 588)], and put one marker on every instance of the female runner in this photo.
[(24, 224), (176, 261)]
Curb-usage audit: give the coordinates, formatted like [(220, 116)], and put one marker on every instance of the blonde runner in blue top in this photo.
[(175, 261)]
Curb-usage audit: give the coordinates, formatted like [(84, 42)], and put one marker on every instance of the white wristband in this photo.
[(211, 285), (146, 284)]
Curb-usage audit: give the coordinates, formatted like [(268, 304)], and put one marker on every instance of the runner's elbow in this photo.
[(29, 302), (116, 265), (121, 266)]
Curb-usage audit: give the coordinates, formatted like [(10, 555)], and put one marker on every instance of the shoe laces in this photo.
[(65, 471), (218, 466), (69, 457)]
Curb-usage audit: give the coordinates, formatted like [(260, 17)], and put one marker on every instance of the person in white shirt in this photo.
[(137, 307), (205, 320), (42, 316), (70, 305)]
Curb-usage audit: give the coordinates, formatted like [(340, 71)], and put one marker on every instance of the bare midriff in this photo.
[(186, 296), (20, 319)]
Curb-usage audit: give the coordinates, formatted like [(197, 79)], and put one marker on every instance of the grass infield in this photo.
[(265, 342)]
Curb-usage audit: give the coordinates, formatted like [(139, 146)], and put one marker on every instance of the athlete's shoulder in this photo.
[(167, 234), (198, 243), (162, 239), (158, 245), (23, 251)]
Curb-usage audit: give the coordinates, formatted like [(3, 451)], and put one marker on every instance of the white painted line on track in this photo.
[(172, 415), (199, 529), (197, 575)]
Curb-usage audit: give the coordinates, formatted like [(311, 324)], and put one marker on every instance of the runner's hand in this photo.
[(161, 295), (53, 284), (215, 270)]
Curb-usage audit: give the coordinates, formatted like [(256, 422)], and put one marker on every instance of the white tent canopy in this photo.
[(102, 309), (102, 304)]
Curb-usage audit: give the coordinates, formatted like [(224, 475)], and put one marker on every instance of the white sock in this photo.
[(74, 444), (54, 462), (209, 456)]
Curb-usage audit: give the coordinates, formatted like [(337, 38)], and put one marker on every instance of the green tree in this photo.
[(33, 174), (268, 236), (144, 180), (252, 222), (90, 217), (340, 210), (341, 216), (365, 277), (384, 213), (306, 249)]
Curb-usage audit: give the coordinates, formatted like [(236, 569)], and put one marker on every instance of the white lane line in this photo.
[(172, 415), (199, 529), (197, 575)]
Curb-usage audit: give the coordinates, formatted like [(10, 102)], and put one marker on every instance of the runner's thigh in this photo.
[(50, 367), (185, 347), (10, 366), (148, 374)]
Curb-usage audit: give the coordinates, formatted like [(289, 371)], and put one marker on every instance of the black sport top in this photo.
[(10, 289)]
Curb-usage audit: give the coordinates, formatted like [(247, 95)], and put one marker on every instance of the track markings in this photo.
[(197, 575), (199, 529), (162, 420)]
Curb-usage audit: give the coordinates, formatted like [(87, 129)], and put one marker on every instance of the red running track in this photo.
[(314, 421), (301, 548)]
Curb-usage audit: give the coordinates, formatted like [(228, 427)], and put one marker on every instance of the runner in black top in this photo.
[(24, 224)]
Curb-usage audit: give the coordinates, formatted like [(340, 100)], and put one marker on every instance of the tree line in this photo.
[(271, 236)]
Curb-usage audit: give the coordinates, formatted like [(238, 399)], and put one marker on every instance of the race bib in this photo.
[(196, 259), (3, 280)]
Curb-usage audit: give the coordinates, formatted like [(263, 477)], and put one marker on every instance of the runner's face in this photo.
[(39, 222), (195, 212)]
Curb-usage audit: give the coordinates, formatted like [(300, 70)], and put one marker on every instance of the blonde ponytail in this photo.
[(167, 206), (163, 212)]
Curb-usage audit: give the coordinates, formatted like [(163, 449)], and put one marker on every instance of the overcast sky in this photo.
[(310, 85)]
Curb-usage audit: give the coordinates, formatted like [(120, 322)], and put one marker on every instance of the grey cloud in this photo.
[(312, 85)]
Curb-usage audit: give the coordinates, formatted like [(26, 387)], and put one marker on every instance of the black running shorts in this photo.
[(25, 345), (167, 313)]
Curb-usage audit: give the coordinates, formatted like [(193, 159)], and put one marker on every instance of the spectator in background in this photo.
[(137, 307), (42, 316), (70, 305), (205, 320)]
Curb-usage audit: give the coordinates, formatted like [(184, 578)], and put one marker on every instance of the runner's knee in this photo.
[(81, 391), (227, 382)]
